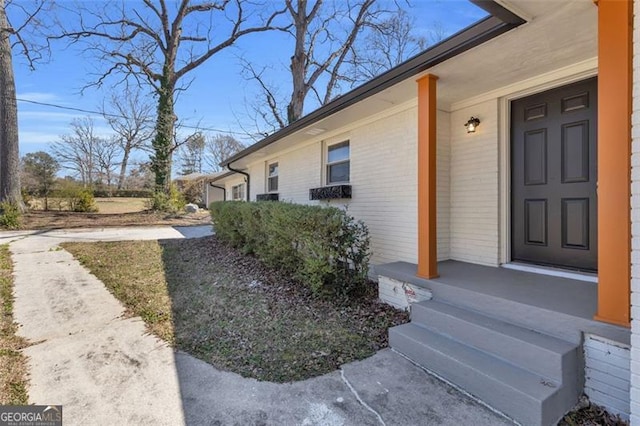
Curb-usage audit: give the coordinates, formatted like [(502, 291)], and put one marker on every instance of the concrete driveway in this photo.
[(106, 369)]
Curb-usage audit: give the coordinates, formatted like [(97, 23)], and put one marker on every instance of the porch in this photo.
[(517, 340)]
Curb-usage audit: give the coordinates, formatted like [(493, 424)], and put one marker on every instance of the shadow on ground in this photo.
[(219, 314)]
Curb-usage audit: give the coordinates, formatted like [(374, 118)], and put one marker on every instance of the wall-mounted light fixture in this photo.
[(472, 124)]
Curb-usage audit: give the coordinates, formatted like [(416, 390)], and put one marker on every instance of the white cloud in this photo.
[(47, 116), (38, 96), (31, 137)]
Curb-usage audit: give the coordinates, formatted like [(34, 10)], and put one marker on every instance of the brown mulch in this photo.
[(588, 414), (38, 220)]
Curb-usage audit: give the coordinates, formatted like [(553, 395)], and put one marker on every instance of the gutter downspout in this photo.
[(242, 173), (224, 190)]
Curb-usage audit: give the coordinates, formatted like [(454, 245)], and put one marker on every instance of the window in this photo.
[(272, 177), (338, 163), (237, 192)]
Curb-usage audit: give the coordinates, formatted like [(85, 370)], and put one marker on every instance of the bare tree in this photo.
[(220, 147), (323, 33), (77, 151), (391, 42), (159, 43), (191, 154), (130, 115), (107, 154), (14, 37), (140, 177)]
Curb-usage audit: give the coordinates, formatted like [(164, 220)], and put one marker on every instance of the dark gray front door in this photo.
[(553, 177)]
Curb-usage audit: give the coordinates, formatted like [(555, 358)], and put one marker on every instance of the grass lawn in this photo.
[(13, 365), (229, 310)]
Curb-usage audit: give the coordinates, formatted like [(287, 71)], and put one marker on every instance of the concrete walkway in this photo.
[(105, 369)]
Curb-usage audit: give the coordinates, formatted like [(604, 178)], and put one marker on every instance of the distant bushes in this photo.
[(322, 247), (124, 193), (73, 197)]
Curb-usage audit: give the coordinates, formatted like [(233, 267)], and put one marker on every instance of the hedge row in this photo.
[(126, 193), (322, 247)]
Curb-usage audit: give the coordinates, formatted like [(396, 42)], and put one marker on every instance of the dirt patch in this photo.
[(106, 205), (229, 310), (13, 364), (67, 220)]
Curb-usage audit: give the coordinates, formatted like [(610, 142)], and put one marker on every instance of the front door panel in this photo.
[(553, 177)]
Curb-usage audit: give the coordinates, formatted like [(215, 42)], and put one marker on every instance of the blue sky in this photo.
[(216, 98)]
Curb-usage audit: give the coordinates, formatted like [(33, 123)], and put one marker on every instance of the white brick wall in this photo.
[(635, 224), (299, 171), (607, 374), (474, 220)]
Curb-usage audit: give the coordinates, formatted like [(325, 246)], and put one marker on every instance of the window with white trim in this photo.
[(237, 192), (338, 163), (272, 177)]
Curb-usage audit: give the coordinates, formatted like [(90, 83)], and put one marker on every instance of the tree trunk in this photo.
[(9, 145), (298, 65), (163, 141), (123, 168)]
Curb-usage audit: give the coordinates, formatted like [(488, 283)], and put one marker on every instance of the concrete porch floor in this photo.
[(561, 306)]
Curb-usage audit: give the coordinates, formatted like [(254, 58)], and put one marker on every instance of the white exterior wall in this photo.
[(635, 224), (474, 220), (443, 180), (383, 179), (212, 194), (257, 173), (384, 185), (299, 171)]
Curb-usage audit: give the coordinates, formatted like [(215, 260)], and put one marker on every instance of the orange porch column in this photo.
[(615, 41), (427, 230)]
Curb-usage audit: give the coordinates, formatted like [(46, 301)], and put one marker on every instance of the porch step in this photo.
[(539, 353), (527, 397), (528, 375)]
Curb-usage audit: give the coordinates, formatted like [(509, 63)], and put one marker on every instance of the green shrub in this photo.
[(322, 247), (10, 216), (74, 197), (170, 203), (83, 201)]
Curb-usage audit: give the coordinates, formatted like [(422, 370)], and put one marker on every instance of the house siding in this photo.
[(635, 224), (474, 218)]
